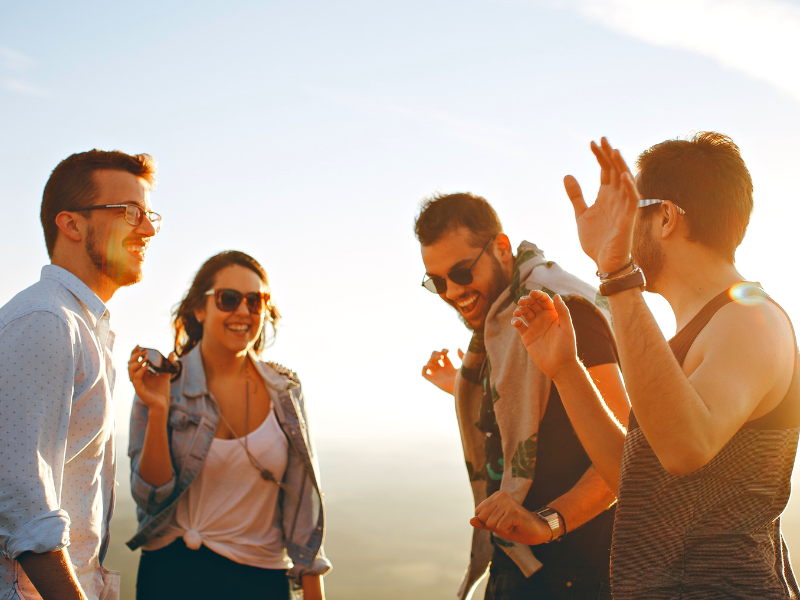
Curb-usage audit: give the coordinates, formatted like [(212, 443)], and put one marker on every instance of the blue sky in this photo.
[(306, 133)]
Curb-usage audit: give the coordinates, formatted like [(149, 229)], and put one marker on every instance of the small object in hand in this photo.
[(157, 363)]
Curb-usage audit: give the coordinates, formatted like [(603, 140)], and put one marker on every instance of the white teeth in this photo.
[(239, 328), (468, 301)]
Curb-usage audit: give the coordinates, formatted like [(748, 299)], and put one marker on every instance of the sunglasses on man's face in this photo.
[(459, 276), (228, 300)]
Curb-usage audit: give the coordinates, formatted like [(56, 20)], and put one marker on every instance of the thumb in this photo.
[(565, 319), (460, 354), (575, 195)]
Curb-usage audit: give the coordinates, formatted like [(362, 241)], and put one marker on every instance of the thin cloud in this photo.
[(758, 37), (22, 87), (14, 60)]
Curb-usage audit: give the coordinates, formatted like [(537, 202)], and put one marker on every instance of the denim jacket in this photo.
[(193, 420)]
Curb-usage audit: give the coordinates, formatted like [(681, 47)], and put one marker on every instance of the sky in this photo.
[(306, 134)]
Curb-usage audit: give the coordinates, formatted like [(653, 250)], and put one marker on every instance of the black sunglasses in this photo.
[(133, 214), (461, 276), (228, 300)]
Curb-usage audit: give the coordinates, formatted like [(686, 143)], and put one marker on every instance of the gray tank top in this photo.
[(714, 533)]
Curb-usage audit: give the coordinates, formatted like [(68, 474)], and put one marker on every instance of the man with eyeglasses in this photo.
[(703, 470), (532, 482), (56, 376)]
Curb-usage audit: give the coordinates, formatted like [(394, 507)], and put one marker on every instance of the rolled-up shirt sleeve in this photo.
[(37, 379)]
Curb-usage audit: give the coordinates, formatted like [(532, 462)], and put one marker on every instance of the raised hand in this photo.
[(548, 337), (152, 389), (441, 372), (605, 228), (507, 518)]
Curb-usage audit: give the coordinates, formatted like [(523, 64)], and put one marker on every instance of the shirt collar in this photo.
[(80, 290)]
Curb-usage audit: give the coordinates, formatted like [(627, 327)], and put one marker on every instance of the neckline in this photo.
[(270, 414)]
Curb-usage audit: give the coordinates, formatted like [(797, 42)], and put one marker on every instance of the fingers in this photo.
[(460, 354), (629, 185), (438, 360), (603, 160), (575, 195)]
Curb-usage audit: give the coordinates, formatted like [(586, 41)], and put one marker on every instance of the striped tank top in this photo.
[(714, 533)]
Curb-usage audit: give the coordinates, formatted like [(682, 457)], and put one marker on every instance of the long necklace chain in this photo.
[(266, 474)]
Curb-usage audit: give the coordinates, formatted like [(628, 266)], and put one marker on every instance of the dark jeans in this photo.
[(176, 572), (548, 584)]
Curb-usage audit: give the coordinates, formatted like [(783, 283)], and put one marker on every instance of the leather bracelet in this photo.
[(615, 286), (471, 375), (611, 274)]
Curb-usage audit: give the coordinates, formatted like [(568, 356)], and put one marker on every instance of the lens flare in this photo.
[(747, 293)]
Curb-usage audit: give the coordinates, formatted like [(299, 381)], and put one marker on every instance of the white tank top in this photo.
[(230, 508)]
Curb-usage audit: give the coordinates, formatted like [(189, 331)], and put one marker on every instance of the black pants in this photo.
[(176, 572), (547, 584)]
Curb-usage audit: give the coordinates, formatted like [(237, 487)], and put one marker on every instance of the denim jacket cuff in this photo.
[(149, 497), (44, 533), (320, 566)]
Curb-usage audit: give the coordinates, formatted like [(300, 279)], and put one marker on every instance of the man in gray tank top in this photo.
[(702, 472)]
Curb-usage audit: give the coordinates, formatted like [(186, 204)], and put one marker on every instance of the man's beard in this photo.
[(647, 253), (498, 283), (109, 264)]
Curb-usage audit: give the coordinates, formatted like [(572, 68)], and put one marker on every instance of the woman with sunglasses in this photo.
[(223, 470)]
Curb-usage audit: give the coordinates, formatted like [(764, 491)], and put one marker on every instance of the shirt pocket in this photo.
[(183, 431)]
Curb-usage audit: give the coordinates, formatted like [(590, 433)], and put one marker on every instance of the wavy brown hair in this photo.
[(188, 330)]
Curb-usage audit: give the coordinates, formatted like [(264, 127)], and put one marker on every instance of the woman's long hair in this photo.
[(188, 330)]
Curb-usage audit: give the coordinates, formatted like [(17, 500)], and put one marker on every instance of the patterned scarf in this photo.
[(519, 393)]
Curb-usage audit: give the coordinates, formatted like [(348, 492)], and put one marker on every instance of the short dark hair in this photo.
[(706, 176), (71, 184), (188, 330), (441, 213)]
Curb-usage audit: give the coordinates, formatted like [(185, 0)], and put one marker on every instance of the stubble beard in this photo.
[(112, 268), (647, 254), (499, 282)]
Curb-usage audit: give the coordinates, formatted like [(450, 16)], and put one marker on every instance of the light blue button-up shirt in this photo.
[(57, 463)]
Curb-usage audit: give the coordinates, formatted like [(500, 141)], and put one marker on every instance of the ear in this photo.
[(502, 248), (668, 220), (200, 314), (68, 224)]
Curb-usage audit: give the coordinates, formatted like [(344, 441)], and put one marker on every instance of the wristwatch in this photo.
[(551, 517)]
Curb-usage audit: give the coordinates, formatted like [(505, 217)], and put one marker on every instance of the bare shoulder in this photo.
[(750, 343)]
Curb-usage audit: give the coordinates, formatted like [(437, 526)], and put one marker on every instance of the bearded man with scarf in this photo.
[(531, 479)]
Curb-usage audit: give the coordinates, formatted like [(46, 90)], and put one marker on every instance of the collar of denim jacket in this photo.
[(194, 375)]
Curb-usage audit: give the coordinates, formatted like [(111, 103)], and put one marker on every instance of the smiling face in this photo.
[(115, 247), (235, 331), (490, 275)]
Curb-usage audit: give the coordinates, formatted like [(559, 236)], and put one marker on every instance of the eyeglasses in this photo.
[(228, 300), (460, 276), (650, 201), (133, 214)]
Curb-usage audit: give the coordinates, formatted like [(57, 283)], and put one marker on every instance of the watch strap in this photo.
[(615, 286), (553, 520)]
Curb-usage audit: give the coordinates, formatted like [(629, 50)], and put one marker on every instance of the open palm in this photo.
[(548, 337), (605, 229)]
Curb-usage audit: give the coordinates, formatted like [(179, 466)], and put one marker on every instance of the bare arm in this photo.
[(155, 463), (589, 497), (595, 399), (52, 575), (313, 588), (745, 359)]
